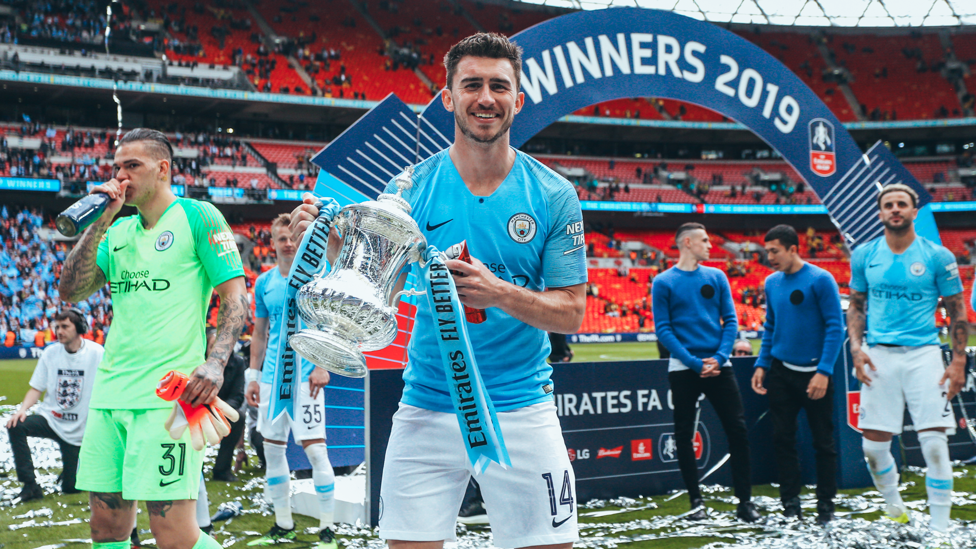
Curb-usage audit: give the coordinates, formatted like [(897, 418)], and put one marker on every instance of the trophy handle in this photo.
[(398, 295), (340, 223)]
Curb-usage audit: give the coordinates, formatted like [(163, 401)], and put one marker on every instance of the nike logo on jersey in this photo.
[(117, 248), (873, 266), (557, 524), (432, 227), (162, 484)]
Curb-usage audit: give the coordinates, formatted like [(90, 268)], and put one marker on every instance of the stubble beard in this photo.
[(896, 229), (466, 131)]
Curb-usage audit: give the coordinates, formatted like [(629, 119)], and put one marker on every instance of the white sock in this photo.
[(279, 483), (938, 478), (323, 477), (881, 465), (203, 505)]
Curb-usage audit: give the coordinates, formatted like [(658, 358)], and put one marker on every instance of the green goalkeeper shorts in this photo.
[(130, 451)]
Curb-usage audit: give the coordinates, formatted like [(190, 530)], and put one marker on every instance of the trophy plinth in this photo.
[(352, 309)]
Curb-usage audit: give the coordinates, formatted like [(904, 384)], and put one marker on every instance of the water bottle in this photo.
[(81, 214), (227, 510)]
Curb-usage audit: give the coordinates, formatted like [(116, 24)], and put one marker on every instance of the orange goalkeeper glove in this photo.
[(207, 422)]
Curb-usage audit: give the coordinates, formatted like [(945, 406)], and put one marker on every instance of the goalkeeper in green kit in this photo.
[(162, 266)]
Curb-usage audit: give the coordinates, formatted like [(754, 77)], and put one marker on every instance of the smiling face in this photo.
[(484, 99), (897, 211)]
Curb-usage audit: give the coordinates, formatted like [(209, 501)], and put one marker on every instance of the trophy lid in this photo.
[(404, 182)]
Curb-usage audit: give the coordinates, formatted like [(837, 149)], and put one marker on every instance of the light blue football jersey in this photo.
[(528, 232), (903, 290), (269, 298)]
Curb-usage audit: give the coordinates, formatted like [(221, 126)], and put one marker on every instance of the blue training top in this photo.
[(803, 320), (903, 290), (528, 232), (269, 298), (694, 315)]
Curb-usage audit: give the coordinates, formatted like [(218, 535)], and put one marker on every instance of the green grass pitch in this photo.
[(66, 510)]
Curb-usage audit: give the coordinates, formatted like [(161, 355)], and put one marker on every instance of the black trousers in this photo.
[(225, 454), (723, 392), (37, 426), (257, 442), (787, 392)]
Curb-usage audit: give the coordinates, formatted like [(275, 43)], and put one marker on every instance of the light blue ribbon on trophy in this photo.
[(310, 260), (475, 413)]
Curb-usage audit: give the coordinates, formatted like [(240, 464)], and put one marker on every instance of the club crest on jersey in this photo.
[(823, 155), (164, 241), (522, 228), (917, 268)]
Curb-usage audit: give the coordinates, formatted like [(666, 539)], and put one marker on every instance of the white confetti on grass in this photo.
[(849, 531)]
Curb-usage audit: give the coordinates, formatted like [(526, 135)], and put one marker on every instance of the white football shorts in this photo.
[(905, 375), (426, 472), (308, 424)]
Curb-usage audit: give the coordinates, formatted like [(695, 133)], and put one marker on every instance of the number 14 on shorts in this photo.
[(565, 497)]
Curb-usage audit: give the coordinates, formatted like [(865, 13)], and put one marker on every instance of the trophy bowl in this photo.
[(351, 309)]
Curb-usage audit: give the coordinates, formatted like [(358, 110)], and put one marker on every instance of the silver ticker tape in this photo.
[(115, 82)]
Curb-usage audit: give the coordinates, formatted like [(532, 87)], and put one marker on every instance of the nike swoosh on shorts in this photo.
[(556, 524)]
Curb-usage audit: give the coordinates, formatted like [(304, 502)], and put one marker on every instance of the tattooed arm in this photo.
[(959, 336), (80, 275), (856, 319), (856, 322), (206, 380)]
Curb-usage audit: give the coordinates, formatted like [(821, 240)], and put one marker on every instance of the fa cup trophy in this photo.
[(350, 310)]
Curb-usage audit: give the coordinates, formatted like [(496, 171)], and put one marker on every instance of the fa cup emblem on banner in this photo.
[(352, 309), (823, 155)]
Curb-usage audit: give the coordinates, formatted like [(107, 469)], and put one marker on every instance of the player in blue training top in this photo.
[(803, 333), (524, 230), (896, 281), (694, 317), (309, 426)]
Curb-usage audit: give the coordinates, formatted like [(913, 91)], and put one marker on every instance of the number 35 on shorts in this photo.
[(311, 413), (565, 498)]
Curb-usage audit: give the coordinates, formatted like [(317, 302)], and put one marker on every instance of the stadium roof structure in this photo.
[(811, 13)]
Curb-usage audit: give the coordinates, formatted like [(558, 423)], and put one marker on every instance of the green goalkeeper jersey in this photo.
[(161, 281)]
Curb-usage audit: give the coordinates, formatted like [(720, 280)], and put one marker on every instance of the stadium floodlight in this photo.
[(809, 13)]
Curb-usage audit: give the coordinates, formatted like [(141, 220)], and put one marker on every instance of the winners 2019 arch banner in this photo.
[(589, 57)]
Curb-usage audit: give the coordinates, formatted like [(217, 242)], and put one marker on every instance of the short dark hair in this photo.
[(484, 44), (76, 317), (899, 187), (686, 228), (785, 234), (157, 144)]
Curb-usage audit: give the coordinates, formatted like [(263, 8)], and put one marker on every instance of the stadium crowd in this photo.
[(29, 270), (62, 20)]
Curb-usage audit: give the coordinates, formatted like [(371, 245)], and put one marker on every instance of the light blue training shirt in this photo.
[(903, 289), (269, 298), (528, 232)]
